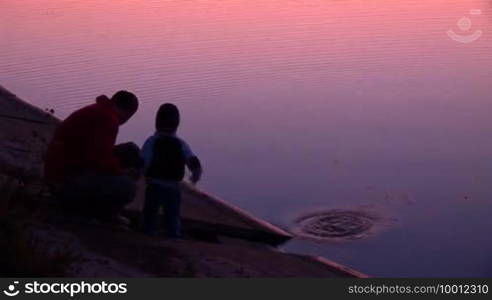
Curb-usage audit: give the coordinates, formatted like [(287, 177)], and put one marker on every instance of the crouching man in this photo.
[(82, 163)]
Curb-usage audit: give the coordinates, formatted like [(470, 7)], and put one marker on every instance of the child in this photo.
[(165, 156)]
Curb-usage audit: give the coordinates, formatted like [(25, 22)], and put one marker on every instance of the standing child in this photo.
[(165, 156)]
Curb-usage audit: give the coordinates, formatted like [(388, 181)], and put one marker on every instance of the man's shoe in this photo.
[(117, 220), (122, 220)]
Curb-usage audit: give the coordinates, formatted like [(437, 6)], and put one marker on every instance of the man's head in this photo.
[(126, 104), (167, 119)]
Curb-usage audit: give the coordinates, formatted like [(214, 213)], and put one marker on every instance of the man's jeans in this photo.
[(170, 198), (97, 195)]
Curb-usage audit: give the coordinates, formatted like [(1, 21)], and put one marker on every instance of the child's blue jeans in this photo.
[(169, 197)]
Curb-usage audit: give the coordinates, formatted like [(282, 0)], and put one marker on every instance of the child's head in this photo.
[(167, 119)]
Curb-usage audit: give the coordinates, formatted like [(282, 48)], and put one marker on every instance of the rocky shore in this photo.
[(38, 239)]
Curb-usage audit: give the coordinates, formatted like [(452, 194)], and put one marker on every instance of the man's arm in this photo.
[(102, 148)]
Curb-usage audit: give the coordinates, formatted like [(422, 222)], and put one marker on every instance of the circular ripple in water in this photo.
[(336, 224)]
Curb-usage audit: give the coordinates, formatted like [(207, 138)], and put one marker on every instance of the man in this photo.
[(81, 160)]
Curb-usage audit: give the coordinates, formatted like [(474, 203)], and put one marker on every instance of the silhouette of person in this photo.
[(82, 163), (165, 157)]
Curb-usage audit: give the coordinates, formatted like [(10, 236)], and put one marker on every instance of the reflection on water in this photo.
[(294, 105), (337, 224)]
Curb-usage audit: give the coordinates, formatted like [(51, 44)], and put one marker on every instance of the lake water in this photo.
[(296, 106)]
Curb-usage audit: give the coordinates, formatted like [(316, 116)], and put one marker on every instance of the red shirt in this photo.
[(85, 142)]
